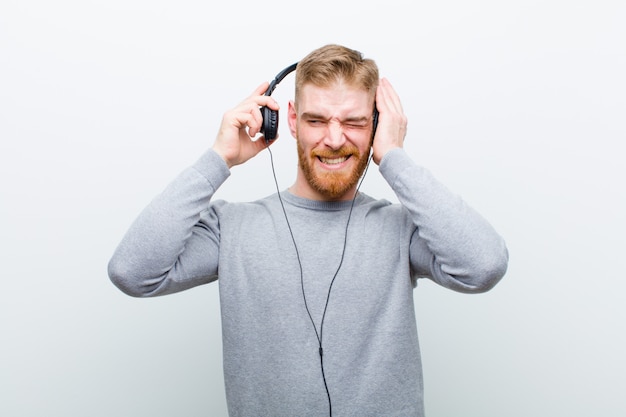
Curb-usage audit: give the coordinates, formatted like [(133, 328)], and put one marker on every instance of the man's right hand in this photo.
[(236, 142)]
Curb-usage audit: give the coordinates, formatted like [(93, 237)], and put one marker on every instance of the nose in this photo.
[(334, 137)]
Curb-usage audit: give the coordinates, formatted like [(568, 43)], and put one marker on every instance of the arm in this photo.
[(452, 243), (174, 243)]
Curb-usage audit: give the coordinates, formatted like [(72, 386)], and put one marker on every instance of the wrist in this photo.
[(224, 155)]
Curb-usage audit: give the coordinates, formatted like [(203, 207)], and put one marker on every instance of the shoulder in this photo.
[(380, 208), (224, 208)]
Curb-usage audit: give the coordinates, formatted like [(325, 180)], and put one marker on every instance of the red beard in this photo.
[(332, 184)]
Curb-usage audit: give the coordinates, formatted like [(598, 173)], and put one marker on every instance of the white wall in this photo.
[(518, 106)]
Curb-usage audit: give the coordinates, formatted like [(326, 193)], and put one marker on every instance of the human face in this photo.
[(333, 128)]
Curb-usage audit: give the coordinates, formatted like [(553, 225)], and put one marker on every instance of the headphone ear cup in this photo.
[(270, 123), (375, 121)]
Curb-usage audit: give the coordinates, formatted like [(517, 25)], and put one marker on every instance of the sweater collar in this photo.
[(306, 203)]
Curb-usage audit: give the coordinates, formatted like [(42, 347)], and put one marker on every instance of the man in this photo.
[(316, 282)]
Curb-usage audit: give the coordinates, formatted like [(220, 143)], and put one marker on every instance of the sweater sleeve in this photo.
[(452, 244), (173, 244)]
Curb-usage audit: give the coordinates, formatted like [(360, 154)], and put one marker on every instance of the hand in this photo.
[(235, 141), (392, 121)]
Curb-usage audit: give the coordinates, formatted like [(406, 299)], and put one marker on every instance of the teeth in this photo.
[(332, 161)]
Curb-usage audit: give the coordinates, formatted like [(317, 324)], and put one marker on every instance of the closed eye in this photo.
[(356, 125)]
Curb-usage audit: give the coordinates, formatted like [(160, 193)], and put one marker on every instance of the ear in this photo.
[(292, 117)]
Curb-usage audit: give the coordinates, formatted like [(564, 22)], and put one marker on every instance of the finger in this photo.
[(261, 89), (381, 98), (248, 114), (242, 118), (261, 99), (389, 96), (255, 122)]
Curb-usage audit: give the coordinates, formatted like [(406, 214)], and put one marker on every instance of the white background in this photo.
[(519, 106)]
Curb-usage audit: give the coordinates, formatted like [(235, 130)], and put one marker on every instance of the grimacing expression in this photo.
[(333, 128), (332, 184)]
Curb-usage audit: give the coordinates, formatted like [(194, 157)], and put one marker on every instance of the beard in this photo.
[(332, 184)]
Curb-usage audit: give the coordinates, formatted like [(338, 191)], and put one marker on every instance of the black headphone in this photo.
[(269, 128), (270, 117)]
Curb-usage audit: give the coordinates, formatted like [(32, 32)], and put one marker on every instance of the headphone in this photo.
[(269, 128), (270, 117)]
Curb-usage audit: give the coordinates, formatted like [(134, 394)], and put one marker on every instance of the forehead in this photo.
[(339, 96)]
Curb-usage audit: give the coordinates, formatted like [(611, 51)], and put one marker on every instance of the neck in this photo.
[(303, 189)]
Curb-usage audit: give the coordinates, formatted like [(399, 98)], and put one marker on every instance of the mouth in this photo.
[(334, 160)]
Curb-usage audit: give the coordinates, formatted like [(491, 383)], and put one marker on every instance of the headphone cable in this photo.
[(319, 335)]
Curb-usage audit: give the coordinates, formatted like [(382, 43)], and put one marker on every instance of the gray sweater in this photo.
[(271, 352)]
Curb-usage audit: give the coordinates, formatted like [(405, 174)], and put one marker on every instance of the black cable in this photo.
[(319, 335)]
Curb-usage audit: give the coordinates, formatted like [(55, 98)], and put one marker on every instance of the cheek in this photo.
[(308, 137), (361, 140)]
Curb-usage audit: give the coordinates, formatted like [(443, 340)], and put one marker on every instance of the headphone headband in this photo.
[(279, 77)]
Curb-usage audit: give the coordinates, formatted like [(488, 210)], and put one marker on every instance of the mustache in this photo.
[(339, 153)]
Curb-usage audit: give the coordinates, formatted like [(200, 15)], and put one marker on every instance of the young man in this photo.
[(316, 282)]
